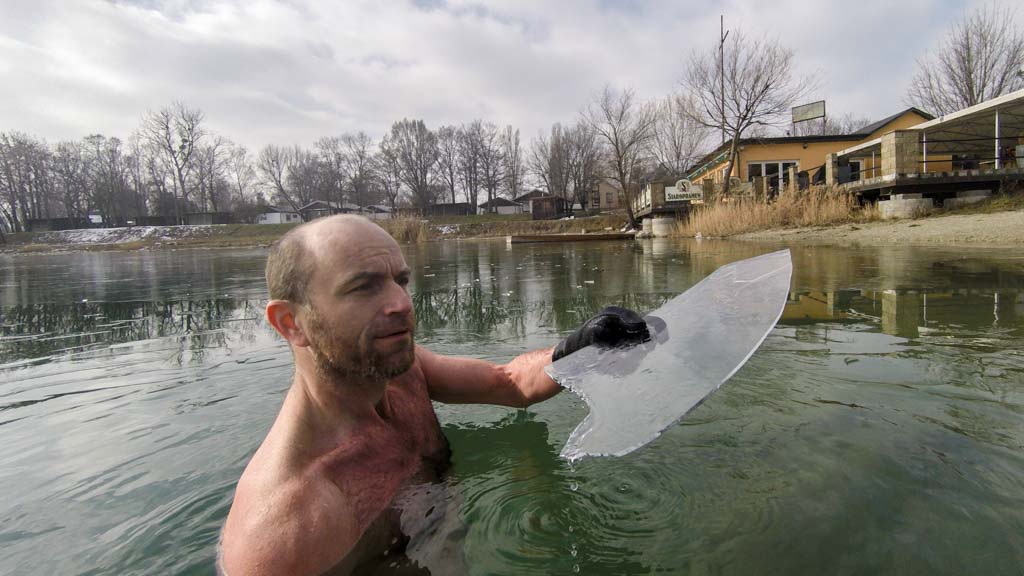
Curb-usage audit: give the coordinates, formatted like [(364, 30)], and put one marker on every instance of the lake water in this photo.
[(879, 430)]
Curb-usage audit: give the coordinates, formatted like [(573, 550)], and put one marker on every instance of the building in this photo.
[(207, 218), (773, 159), (277, 215), (501, 206), (957, 159), (321, 208), (377, 212), (53, 224), (526, 200), (549, 207), (455, 209), (605, 196)]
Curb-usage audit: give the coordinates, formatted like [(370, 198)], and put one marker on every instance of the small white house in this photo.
[(501, 206), (278, 215)]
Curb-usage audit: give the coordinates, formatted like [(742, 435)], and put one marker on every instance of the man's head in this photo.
[(338, 289)]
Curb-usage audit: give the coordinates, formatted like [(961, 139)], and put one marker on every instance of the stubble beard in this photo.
[(338, 360)]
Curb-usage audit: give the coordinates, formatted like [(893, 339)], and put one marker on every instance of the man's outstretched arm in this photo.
[(518, 384)]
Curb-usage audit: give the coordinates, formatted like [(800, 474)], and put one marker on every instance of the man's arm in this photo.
[(518, 384)]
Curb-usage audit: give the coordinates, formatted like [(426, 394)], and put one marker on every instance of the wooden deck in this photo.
[(523, 238)]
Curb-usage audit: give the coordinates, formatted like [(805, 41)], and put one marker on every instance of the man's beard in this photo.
[(358, 360)]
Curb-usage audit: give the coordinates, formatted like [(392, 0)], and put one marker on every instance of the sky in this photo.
[(289, 72)]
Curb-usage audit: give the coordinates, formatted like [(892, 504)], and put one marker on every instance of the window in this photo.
[(772, 170), (855, 168), (608, 198)]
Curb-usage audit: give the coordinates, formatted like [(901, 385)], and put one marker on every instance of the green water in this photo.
[(879, 430)]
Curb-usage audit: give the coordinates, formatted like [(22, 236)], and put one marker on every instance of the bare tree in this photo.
[(677, 141), (760, 87), (626, 126), (176, 131), (549, 161), (358, 166), (275, 165), (512, 161), (980, 58), (584, 156), (331, 152), (388, 171), (242, 174), (490, 162), (471, 142), (416, 147), (448, 158)]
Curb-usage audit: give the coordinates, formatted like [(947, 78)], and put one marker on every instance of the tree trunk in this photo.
[(729, 166)]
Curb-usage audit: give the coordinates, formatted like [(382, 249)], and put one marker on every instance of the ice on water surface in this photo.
[(699, 340)]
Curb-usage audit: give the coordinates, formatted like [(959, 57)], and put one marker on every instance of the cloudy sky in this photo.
[(291, 71)]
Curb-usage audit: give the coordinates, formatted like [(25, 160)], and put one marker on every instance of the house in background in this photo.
[(501, 206), (549, 207), (526, 200), (605, 196), (456, 209), (278, 215), (771, 158)]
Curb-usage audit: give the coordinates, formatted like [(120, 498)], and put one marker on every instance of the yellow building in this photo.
[(771, 158)]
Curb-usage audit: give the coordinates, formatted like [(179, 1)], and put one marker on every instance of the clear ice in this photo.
[(699, 339)]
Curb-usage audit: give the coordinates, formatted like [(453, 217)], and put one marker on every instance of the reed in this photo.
[(406, 230), (818, 206)]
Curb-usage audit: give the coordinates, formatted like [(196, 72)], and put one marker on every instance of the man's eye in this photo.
[(403, 281)]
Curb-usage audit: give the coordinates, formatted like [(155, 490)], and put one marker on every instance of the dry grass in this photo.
[(818, 206), (406, 230)]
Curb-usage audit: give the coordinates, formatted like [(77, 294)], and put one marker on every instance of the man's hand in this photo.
[(612, 326)]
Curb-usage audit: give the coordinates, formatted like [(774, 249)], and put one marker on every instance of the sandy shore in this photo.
[(998, 229)]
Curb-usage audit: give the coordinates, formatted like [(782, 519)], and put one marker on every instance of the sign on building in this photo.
[(684, 190), (809, 111)]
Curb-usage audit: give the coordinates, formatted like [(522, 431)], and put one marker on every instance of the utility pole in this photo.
[(722, 35)]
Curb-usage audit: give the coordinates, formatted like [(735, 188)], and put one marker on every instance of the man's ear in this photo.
[(282, 316)]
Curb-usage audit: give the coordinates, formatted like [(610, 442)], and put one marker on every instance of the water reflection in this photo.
[(885, 408)]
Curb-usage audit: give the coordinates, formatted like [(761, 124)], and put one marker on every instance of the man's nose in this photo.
[(399, 301)]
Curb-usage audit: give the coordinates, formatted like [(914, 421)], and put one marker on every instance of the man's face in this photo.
[(359, 319)]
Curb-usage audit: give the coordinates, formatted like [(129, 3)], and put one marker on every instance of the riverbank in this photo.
[(261, 235), (975, 229)]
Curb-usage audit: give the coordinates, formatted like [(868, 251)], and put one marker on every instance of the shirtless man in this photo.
[(357, 424)]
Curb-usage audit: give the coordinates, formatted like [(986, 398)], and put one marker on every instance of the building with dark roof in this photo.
[(771, 158)]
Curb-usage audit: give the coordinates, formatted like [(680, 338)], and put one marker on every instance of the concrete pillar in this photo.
[(793, 185), (662, 226), (831, 169), (902, 313), (901, 152)]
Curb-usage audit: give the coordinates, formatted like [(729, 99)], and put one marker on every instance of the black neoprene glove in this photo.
[(612, 326)]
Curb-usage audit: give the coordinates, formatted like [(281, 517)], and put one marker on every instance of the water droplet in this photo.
[(571, 529), (573, 486), (624, 488), (576, 568)]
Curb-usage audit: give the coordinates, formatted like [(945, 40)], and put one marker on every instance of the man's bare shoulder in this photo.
[(300, 526)]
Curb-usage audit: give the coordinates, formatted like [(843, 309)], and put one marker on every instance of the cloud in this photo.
[(290, 72)]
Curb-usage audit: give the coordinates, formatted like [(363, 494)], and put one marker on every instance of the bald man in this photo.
[(357, 425)]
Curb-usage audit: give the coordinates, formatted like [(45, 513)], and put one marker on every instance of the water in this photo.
[(878, 430)]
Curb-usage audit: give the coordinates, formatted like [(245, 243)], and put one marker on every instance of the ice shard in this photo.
[(699, 340)]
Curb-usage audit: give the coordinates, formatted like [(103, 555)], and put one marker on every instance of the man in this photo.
[(357, 424)]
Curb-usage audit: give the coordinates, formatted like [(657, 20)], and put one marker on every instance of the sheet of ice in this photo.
[(699, 340)]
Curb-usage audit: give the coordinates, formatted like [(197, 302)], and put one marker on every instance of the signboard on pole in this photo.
[(809, 111), (684, 190)]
